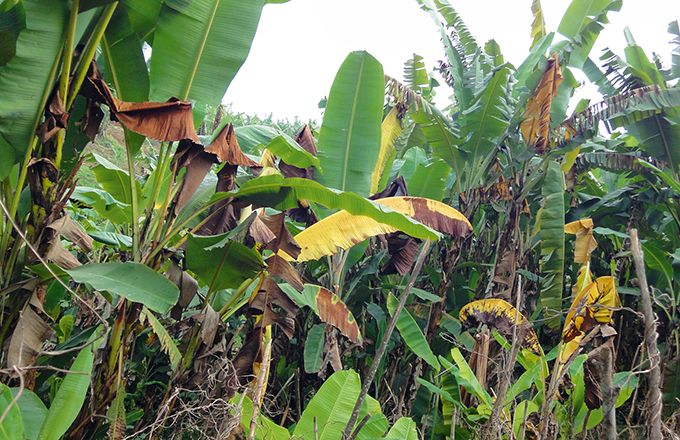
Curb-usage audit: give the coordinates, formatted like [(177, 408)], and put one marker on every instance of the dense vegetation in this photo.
[(505, 267)]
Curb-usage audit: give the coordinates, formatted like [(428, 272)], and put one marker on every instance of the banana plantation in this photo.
[(504, 266)]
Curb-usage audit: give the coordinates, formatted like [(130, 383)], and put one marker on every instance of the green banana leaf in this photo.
[(198, 47), (27, 79), (349, 140)]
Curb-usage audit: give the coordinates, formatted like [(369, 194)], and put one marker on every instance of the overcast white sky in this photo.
[(300, 44)]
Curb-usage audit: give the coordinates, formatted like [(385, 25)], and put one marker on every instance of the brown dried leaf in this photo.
[(226, 148), (260, 232), (197, 162), (27, 339), (277, 266), (396, 188), (284, 239), (209, 324), (305, 139), (333, 311), (535, 127), (163, 121), (402, 250), (72, 231), (57, 254)]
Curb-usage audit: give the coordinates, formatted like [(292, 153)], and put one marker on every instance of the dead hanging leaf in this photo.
[(59, 255), (284, 239), (225, 146), (260, 232), (403, 250), (209, 324), (277, 266), (305, 139), (55, 119), (585, 242), (592, 393), (333, 311), (333, 352), (396, 188), (163, 121), (72, 231), (188, 287), (501, 315), (27, 339), (535, 127), (270, 294), (223, 215), (197, 162)]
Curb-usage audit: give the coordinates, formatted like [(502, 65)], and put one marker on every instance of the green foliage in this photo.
[(133, 281), (349, 139)]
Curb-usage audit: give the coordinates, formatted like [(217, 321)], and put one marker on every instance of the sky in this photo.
[(300, 45)]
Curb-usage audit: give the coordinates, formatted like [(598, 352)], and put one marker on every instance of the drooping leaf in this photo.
[(349, 139), (314, 345), (535, 127), (200, 62), (70, 396), (412, 334), (585, 242), (164, 121), (551, 223), (343, 230), (132, 281), (30, 332), (330, 408), (498, 314), (282, 193), (34, 68)]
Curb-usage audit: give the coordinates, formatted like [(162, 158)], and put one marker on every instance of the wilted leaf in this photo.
[(209, 325), (277, 266), (59, 255), (163, 121), (343, 230), (585, 242), (594, 304), (328, 307), (390, 131), (72, 231), (501, 315), (225, 146), (535, 127), (284, 240), (27, 339)]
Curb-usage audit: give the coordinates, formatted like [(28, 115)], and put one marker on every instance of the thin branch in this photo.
[(346, 434)]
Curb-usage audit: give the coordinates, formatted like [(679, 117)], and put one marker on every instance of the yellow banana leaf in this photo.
[(501, 315), (535, 127), (390, 131), (594, 303), (343, 230), (585, 242)]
